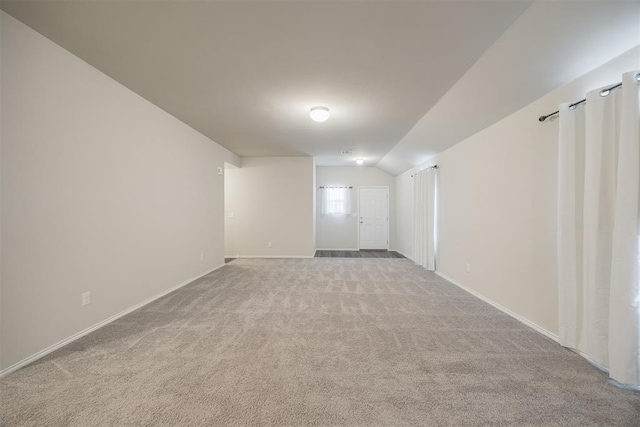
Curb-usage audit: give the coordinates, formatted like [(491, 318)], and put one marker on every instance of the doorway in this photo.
[(373, 214)]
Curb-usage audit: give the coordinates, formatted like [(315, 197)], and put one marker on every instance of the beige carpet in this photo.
[(321, 341)]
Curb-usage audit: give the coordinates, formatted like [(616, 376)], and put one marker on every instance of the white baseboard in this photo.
[(603, 369), (527, 322), (402, 253), (97, 326), (539, 329), (337, 249)]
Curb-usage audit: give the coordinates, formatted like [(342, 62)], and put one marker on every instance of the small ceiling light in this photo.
[(359, 161), (319, 114), (605, 92)]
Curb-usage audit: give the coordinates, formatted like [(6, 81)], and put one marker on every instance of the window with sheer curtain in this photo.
[(336, 201)]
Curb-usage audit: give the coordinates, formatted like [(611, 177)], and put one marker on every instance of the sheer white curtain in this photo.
[(424, 197), (335, 201), (599, 229)]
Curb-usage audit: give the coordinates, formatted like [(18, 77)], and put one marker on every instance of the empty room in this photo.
[(310, 212)]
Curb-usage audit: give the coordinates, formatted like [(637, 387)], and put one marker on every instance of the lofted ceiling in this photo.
[(394, 73), (246, 73), (551, 44)]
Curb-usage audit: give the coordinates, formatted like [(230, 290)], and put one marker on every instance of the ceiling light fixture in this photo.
[(319, 114), (359, 161)]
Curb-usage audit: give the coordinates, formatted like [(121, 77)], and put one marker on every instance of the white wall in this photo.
[(340, 232), (271, 200), (101, 192), (497, 204)]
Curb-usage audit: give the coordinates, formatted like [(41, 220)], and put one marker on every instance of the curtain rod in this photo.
[(603, 92), (333, 187), (428, 167)]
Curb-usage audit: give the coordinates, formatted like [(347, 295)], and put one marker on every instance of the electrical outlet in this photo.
[(202, 256), (86, 298), (219, 170), (468, 267), (269, 244)]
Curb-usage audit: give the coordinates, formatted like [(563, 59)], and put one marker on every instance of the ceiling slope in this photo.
[(246, 73), (551, 44)]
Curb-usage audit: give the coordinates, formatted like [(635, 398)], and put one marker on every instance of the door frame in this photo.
[(379, 187)]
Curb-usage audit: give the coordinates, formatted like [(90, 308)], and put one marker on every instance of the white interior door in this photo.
[(373, 206)]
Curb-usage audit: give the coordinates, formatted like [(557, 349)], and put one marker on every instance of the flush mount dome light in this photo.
[(359, 161), (319, 114)]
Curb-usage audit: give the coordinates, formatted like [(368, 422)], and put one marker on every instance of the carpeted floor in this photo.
[(320, 341)]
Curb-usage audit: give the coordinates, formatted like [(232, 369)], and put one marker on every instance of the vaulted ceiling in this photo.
[(403, 80)]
